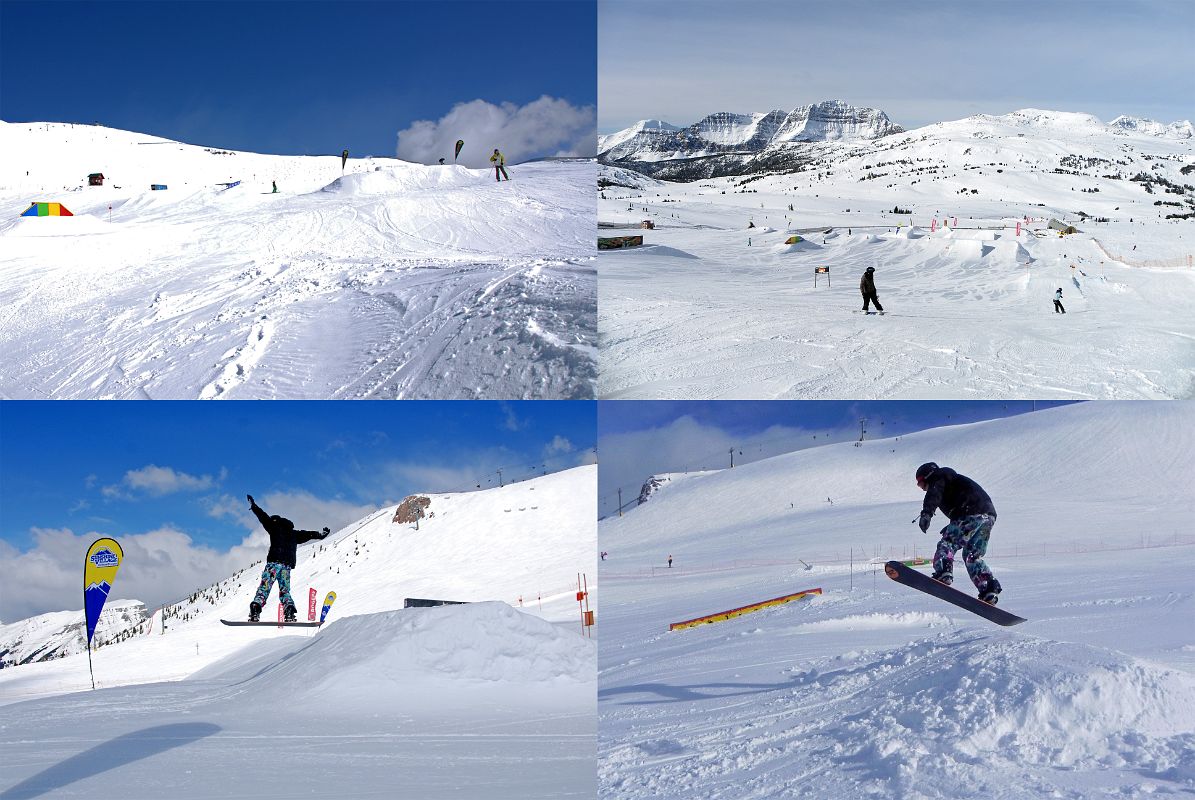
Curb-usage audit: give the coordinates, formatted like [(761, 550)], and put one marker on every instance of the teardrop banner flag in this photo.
[(99, 572), (331, 598), (459, 144)]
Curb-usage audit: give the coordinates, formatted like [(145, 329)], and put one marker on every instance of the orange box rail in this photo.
[(738, 612)]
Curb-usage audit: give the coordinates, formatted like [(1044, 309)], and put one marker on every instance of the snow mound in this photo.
[(408, 178), (375, 656), (959, 698)]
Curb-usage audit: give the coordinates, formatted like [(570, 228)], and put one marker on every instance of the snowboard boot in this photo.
[(289, 614), (254, 612), (943, 577), (990, 593)]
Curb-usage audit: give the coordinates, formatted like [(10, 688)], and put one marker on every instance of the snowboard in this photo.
[(917, 580), (279, 624), (868, 313)]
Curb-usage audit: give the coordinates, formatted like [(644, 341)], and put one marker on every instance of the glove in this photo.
[(923, 522), (251, 500), (326, 532)]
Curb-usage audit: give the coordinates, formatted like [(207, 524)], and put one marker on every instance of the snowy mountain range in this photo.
[(731, 144), (62, 633), (732, 136)]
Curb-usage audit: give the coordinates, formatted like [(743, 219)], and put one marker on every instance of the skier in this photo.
[(1058, 302), (867, 286), (669, 561), (275, 187), (284, 542), (499, 162), (971, 515)]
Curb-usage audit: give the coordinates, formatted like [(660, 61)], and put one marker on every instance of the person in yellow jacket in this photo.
[(499, 162)]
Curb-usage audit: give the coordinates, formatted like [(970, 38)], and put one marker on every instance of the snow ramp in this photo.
[(376, 661)]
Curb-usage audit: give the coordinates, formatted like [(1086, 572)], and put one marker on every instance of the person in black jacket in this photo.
[(971, 514), (867, 287), (284, 545)]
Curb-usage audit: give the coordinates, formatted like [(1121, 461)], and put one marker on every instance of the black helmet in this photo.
[(870, 269), (925, 470), (283, 521)]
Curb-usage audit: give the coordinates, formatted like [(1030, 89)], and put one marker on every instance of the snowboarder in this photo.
[(1058, 302), (971, 516), (284, 542), (669, 561), (867, 286), (603, 555), (275, 183), (499, 162), (441, 162)]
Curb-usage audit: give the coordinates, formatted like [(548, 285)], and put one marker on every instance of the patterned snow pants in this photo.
[(970, 534), (274, 572)]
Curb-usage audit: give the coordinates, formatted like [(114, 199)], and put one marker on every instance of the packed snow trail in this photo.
[(394, 280)]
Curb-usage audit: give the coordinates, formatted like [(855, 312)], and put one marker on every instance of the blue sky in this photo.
[(278, 76), (638, 439), (921, 62), (176, 473)]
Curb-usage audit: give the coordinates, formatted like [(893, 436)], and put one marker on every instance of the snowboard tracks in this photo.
[(240, 361)]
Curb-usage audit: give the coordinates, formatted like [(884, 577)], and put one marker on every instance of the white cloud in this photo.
[(159, 566), (558, 445), (158, 481), (545, 127)]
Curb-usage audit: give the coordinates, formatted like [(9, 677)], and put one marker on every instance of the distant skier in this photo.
[(971, 516), (867, 286), (275, 183), (284, 543), (1058, 309), (499, 162), (441, 162), (669, 561)]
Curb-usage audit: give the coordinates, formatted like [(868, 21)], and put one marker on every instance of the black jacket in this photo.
[(867, 284), (284, 539), (956, 495)]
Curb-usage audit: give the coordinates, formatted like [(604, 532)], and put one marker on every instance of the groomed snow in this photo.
[(875, 690), (385, 280)]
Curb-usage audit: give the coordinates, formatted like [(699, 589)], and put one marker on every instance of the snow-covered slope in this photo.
[(384, 279), (875, 690), (954, 217), (493, 697)]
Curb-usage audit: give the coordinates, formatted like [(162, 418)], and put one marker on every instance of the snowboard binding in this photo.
[(254, 612)]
